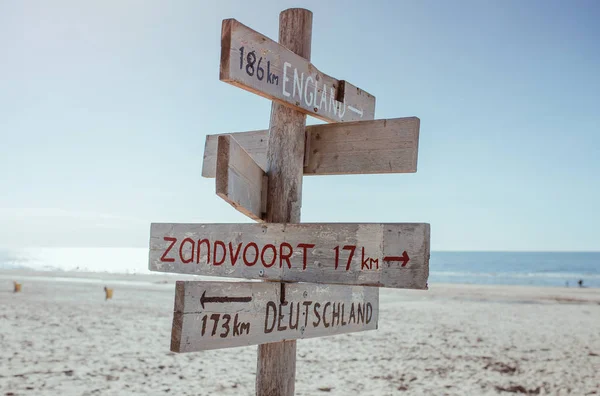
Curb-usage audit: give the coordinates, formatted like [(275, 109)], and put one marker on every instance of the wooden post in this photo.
[(276, 367)]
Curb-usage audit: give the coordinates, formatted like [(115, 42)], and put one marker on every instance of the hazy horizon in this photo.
[(15, 248), (556, 269)]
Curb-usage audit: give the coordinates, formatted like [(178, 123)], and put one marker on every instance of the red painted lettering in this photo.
[(198, 256), (245, 257), (164, 257), (285, 256), (215, 261), (234, 257), (305, 246), (364, 263), (262, 255), (184, 260), (350, 248), (368, 262)]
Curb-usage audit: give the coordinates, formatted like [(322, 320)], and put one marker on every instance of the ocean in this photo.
[(498, 268), (516, 268)]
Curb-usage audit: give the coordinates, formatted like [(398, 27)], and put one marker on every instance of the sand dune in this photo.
[(60, 337)]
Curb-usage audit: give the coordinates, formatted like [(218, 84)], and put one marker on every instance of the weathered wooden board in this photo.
[(260, 65), (215, 315), (386, 255), (381, 146), (255, 143), (364, 147), (239, 180)]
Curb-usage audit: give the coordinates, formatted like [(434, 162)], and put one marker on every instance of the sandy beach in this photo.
[(60, 337)]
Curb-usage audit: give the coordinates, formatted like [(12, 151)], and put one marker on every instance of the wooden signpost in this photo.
[(260, 174), (214, 315)]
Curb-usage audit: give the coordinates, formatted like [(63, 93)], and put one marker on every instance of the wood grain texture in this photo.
[(285, 144), (254, 142), (276, 369), (276, 362), (260, 316), (239, 180), (287, 77), (363, 147), (296, 252), (380, 146)]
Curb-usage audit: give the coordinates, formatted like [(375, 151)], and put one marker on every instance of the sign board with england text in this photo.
[(215, 315), (392, 255), (260, 65)]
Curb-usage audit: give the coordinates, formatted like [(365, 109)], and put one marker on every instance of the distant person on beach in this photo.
[(580, 282), (108, 293)]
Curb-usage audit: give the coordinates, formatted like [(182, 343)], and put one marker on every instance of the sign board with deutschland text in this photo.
[(215, 315), (392, 255), (260, 65)]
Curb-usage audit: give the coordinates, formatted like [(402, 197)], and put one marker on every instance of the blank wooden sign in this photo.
[(215, 315), (239, 180), (380, 146), (363, 147), (260, 65), (386, 255)]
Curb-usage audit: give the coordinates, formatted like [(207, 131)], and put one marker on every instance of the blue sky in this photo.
[(104, 108)]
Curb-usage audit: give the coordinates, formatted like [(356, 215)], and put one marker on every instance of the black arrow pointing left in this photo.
[(205, 299)]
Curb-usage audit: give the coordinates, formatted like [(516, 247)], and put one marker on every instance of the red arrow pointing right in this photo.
[(404, 258)]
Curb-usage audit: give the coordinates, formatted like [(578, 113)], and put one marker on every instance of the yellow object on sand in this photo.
[(17, 287), (108, 292)]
